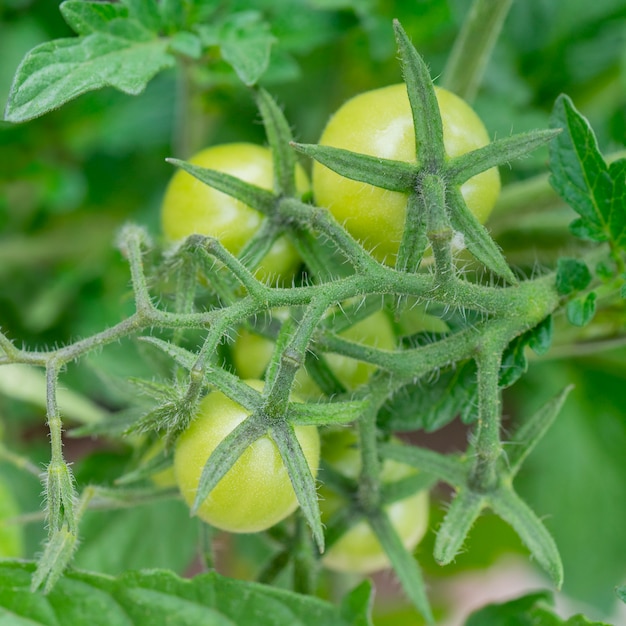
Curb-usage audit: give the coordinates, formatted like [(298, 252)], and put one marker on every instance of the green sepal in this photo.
[(339, 523), (287, 329), (498, 152), (60, 496), (301, 478), (427, 122), (404, 565), (384, 173), (512, 509), (227, 453), (279, 138), (229, 384), (259, 199), (463, 511), (446, 467), (476, 237), (414, 238), (405, 487), (56, 556), (158, 463), (522, 441), (255, 250)]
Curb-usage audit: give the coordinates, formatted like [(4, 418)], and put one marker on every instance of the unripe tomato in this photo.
[(190, 206), (163, 478), (252, 353), (256, 492), (358, 550), (380, 123)]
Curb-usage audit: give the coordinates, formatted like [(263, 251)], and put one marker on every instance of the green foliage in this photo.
[(536, 609), (89, 166), (594, 189), (155, 597)]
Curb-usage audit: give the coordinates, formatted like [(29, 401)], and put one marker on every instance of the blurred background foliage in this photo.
[(70, 179)]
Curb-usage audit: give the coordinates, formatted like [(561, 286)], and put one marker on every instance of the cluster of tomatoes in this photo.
[(256, 492)]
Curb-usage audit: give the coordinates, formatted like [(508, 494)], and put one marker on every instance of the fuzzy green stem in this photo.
[(369, 479), (487, 445), (468, 60)]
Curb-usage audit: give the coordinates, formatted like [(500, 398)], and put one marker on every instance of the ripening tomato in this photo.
[(256, 492), (190, 206), (380, 123), (358, 549)]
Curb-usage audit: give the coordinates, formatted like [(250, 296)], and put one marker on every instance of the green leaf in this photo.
[(187, 44), (430, 405), (571, 275), (132, 537), (146, 12), (617, 215), (535, 608), (355, 606), (514, 360), (58, 71), (579, 174), (246, 42), (621, 593), (11, 535), (89, 17), (158, 598), (540, 337), (581, 311)]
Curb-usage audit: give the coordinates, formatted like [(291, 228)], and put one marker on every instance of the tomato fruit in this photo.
[(162, 478), (358, 549), (190, 206), (256, 492), (379, 123), (252, 353)]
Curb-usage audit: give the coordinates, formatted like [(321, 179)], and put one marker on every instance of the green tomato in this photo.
[(163, 478), (256, 492), (380, 123), (190, 206), (358, 549), (252, 353)]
